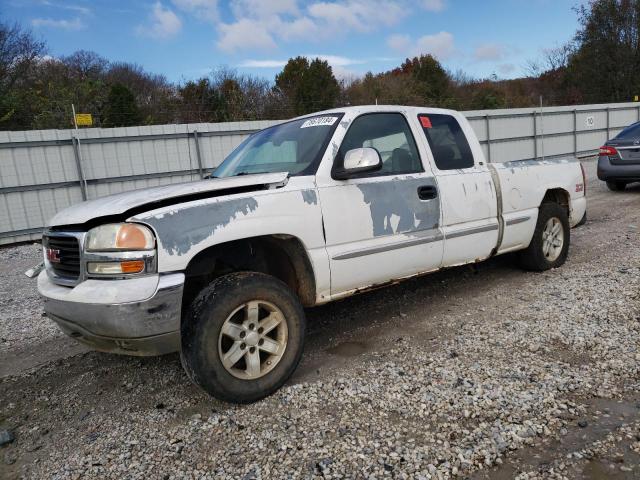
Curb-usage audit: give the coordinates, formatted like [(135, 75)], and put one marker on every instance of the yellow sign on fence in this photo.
[(84, 119)]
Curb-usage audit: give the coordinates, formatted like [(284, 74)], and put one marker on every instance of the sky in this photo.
[(186, 39)]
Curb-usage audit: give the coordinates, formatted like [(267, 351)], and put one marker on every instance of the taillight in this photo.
[(584, 179), (607, 151)]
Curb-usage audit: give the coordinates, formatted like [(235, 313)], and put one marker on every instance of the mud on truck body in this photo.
[(309, 211)]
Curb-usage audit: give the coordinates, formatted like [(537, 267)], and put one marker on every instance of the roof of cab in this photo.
[(359, 109)]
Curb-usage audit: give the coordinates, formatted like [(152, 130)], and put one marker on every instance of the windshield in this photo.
[(294, 147), (631, 132)]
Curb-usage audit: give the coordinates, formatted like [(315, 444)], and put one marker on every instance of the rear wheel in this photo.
[(616, 186), (550, 243), (243, 337)]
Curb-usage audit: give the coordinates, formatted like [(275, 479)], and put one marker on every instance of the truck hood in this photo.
[(150, 198)]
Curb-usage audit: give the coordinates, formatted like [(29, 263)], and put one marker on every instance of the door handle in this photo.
[(427, 192)]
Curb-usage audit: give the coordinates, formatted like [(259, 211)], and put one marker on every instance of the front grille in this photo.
[(67, 250)]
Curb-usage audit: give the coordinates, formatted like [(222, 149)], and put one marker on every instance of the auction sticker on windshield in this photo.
[(319, 121)]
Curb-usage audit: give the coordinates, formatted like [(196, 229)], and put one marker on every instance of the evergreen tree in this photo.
[(120, 109), (308, 86)]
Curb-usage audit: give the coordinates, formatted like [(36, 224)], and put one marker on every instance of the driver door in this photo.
[(381, 225)]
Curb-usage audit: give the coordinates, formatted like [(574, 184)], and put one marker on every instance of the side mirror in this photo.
[(359, 160)]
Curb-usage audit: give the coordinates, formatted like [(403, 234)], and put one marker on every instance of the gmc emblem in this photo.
[(53, 255)]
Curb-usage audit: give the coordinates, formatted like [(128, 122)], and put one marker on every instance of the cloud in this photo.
[(244, 34), (399, 42), (75, 8), (338, 64), (489, 52), (347, 75), (263, 8), (284, 20), (333, 60), (202, 9), (434, 5), (506, 68), (73, 24), (441, 45), (164, 23), (263, 63), (362, 16)]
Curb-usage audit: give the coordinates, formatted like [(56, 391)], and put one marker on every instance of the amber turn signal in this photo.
[(115, 268), (132, 266)]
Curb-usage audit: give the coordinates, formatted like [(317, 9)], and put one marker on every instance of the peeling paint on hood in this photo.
[(122, 202)]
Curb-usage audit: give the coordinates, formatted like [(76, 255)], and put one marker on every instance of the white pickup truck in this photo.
[(302, 213)]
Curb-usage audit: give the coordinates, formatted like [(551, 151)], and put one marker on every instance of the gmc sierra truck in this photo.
[(302, 213)]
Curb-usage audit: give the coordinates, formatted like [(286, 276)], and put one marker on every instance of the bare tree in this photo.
[(19, 51)]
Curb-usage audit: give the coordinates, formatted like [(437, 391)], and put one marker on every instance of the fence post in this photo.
[(535, 135), (198, 156), (75, 141), (575, 132), (487, 123), (608, 134)]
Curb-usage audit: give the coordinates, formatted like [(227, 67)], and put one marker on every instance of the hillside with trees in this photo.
[(599, 65)]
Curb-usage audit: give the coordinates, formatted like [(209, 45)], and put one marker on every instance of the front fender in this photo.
[(184, 230)]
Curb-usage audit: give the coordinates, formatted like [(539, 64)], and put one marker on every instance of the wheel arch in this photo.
[(560, 196), (282, 256)]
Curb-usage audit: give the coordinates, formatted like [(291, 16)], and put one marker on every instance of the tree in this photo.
[(432, 78), (20, 53), (200, 101), (487, 96), (155, 96), (308, 86), (121, 109), (321, 87), (606, 61)]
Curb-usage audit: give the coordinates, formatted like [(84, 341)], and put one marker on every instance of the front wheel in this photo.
[(550, 243), (243, 337), (616, 186)]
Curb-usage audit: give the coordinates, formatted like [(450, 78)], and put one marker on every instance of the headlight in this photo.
[(118, 237)]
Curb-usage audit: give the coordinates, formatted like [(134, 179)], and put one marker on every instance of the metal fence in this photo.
[(42, 172)]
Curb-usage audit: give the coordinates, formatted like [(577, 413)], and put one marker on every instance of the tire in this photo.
[(220, 323), (616, 186), (534, 257), (583, 221)]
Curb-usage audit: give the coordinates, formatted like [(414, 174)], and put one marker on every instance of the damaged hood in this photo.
[(123, 202)]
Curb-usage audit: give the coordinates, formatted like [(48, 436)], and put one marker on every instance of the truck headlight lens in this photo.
[(119, 236), (115, 268)]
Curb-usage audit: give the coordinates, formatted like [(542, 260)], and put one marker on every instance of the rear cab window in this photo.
[(447, 141)]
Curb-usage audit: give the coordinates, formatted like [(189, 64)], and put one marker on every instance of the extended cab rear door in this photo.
[(380, 225), (468, 196)]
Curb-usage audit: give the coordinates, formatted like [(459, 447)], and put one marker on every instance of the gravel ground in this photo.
[(21, 311), (27, 337), (487, 372)]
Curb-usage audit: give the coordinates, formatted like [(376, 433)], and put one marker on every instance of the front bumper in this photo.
[(608, 171), (137, 316)]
